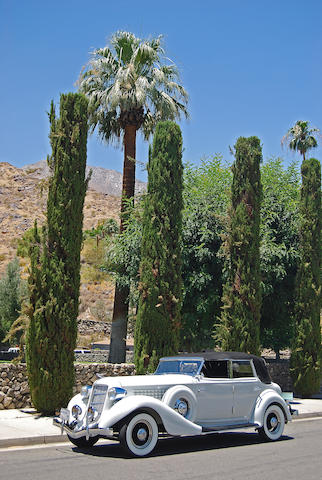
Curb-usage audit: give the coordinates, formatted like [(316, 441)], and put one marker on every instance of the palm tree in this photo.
[(130, 87), (301, 138)]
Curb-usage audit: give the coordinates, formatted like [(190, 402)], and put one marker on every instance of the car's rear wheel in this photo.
[(82, 442), (139, 435), (273, 423)]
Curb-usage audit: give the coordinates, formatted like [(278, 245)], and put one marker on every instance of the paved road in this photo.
[(222, 456)]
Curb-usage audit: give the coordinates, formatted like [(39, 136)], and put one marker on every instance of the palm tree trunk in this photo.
[(121, 298)]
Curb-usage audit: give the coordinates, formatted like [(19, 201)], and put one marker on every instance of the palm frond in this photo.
[(128, 75), (301, 138)]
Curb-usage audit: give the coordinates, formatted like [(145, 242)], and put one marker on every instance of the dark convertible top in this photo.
[(259, 363)]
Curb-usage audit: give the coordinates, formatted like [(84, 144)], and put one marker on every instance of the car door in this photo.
[(214, 394), (246, 388)]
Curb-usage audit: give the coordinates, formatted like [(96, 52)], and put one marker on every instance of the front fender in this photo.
[(266, 398), (173, 422)]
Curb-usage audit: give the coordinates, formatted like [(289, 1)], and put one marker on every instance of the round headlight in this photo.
[(112, 393), (116, 393), (76, 411)]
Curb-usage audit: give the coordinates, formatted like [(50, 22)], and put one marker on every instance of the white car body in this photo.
[(135, 409)]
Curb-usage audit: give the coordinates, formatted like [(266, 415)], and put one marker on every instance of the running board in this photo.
[(221, 428)]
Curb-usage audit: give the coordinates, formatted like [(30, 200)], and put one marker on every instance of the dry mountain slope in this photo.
[(102, 180), (22, 201)]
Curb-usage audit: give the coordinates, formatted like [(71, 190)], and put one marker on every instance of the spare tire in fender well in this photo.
[(174, 395)]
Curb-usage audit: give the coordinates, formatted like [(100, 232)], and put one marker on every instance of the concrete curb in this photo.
[(34, 440), (308, 415)]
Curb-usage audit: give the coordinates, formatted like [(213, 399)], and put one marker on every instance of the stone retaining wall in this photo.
[(14, 389), (15, 393), (100, 356), (280, 373), (86, 327)]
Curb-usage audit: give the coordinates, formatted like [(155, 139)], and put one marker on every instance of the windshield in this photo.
[(185, 367)]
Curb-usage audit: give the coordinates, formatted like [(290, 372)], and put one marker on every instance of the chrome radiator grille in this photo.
[(98, 398)]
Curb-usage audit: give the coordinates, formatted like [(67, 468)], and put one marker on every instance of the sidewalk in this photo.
[(26, 427)]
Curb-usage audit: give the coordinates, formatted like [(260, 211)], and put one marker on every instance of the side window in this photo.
[(242, 368), (215, 369)]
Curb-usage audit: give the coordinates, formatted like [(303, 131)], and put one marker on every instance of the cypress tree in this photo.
[(55, 261), (305, 359), (239, 327), (10, 297), (158, 318)]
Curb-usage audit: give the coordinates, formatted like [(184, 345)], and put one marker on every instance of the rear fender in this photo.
[(173, 422), (264, 400)]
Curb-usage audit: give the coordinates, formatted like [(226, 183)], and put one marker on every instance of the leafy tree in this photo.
[(130, 88), (206, 199), (301, 138), (103, 229), (239, 328), (158, 319), (123, 252), (305, 358), (55, 262), (24, 243), (10, 297), (279, 251)]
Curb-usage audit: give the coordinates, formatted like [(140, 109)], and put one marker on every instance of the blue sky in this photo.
[(250, 68)]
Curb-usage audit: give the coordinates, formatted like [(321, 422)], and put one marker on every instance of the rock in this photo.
[(7, 401)]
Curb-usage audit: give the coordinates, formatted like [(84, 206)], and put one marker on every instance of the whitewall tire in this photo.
[(139, 435), (273, 423)]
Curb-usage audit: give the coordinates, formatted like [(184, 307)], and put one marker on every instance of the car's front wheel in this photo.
[(273, 423), (82, 442), (139, 435)]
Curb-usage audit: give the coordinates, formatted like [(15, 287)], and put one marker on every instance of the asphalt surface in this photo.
[(26, 427), (226, 456)]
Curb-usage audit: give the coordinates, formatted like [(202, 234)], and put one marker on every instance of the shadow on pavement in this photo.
[(175, 446)]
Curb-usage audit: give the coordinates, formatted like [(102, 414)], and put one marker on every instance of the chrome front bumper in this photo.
[(91, 430)]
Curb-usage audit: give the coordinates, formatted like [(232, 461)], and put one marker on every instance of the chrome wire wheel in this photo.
[(139, 435), (273, 423)]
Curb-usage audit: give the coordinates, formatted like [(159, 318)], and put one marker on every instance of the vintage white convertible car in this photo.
[(188, 395)]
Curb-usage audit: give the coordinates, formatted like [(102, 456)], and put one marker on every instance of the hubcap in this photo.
[(142, 434), (272, 422), (181, 407)]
